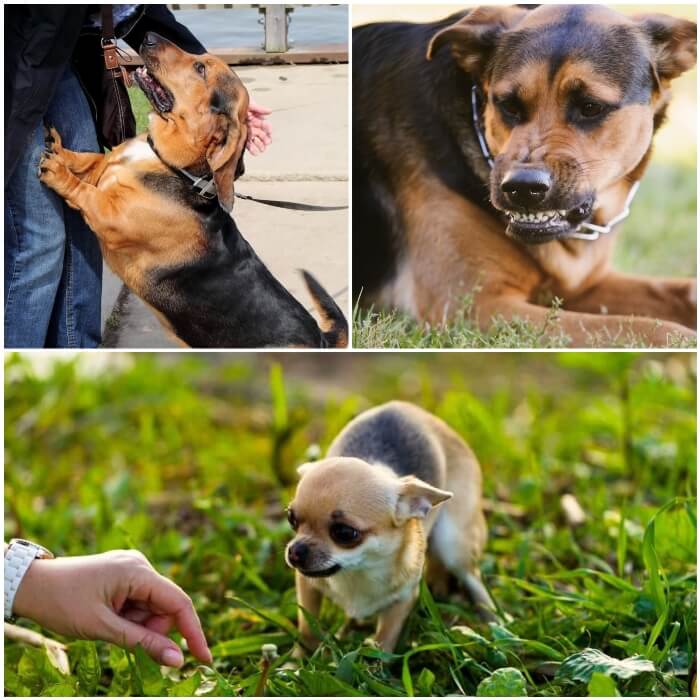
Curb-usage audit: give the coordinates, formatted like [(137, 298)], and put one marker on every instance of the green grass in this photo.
[(397, 330), (141, 107), (192, 460)]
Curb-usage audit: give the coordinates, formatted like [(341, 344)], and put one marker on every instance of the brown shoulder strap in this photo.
[(109, 42), (107, 22)]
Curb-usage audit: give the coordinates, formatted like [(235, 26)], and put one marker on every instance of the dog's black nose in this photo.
[(298, 553), (526, 187)]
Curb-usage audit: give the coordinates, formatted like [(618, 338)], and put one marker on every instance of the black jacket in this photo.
[(40, 40)]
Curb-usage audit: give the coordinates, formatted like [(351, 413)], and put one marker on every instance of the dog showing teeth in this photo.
[(534, 217)]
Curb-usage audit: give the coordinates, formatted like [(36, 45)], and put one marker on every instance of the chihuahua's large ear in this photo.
[(223, 156), (416, 499), (305, 468), (673, 42), (473, 38)]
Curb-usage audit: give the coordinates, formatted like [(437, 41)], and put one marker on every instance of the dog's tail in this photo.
[(333, 324)]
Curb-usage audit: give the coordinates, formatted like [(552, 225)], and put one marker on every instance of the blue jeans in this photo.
[(53, 264)]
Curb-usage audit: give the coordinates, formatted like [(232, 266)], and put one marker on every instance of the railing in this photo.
[(275, 47)]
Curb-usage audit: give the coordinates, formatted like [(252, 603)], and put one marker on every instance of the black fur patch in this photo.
[(391, 437), (177, 188), (219, 102), (404, 104), (226, 297), (616, 52)]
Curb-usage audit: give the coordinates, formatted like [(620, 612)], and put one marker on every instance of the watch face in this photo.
[(43, 553)]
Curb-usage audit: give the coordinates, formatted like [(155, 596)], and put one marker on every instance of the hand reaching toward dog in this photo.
[(115, 597), (259, 129)]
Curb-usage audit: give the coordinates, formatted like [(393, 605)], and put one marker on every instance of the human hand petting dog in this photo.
[(115, 597), (259, 130)]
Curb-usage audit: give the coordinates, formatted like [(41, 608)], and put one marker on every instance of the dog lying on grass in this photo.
[(496, 151)]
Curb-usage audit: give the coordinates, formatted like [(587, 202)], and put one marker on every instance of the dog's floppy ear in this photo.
[(223, 156), (240, 168), (673, 42), (416, 499), (473, 38)]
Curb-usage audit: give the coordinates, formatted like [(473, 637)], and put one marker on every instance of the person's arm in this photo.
[(116, 597), (159, 19)]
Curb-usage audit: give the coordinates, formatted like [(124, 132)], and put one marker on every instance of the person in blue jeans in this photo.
[(53, 263)]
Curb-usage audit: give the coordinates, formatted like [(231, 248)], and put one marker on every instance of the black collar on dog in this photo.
[(585, 231), (204, 186)]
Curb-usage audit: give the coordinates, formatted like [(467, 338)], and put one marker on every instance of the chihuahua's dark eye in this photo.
[(292, 518), (344, 535), (200, 68)]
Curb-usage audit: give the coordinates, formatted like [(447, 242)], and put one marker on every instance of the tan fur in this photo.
[(468, 254), (381, 575)]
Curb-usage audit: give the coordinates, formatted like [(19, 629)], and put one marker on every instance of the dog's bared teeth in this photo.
[(538, 217)]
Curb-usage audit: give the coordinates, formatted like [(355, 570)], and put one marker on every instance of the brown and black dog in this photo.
[(172, 240), (490, 147)]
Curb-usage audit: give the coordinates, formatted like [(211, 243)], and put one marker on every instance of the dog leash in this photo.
[(205, 188), (585, 231), (283, 204)]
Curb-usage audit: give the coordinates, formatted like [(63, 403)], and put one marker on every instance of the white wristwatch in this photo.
[(18, 558)]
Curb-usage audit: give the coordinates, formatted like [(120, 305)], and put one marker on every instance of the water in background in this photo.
[(239, 28)]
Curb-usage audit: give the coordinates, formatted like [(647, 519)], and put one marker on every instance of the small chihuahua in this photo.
[(366, 514)]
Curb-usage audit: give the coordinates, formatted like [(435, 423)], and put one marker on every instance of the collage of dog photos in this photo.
[(350, 350)]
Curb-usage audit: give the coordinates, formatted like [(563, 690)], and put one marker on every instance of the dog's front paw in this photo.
[(52, 140), (52, 171), (686, 300)]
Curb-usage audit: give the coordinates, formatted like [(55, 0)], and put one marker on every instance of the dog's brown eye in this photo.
[(200, 68), (292, 518), (591, 109), (344, 535), (511, 107)]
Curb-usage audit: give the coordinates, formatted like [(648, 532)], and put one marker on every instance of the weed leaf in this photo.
[(88, 669), (504, 682), (602, 686), (148, 671), (582, 665)]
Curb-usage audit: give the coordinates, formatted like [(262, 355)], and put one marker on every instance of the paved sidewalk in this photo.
[(307, 162)]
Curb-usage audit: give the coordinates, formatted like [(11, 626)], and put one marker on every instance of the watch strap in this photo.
[(18, 559)]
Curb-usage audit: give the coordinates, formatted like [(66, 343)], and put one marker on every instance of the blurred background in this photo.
[(191, 458), (659, 236)]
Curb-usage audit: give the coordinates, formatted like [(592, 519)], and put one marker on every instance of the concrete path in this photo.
[(307, 162)]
